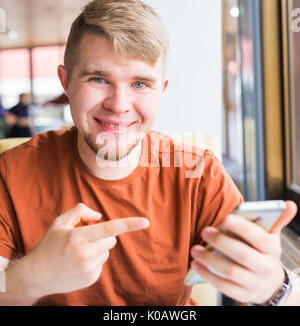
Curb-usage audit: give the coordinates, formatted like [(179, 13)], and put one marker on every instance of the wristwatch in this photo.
[(280, 296)]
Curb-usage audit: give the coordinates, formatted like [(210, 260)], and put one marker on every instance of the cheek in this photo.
[(82, 101), (148, 107)]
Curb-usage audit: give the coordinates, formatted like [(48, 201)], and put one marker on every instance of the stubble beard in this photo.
[(112, 155)]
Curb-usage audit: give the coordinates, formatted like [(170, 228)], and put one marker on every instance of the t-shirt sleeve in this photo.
[(217, 197), (8, 228)]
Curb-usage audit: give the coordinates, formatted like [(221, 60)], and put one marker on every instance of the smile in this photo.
[(117, 128), (112, 125)]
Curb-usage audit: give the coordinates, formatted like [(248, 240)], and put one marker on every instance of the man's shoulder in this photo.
[(39, 146)]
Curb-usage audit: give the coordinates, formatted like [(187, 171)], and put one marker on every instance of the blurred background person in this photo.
[(17, 118), (3, 125)]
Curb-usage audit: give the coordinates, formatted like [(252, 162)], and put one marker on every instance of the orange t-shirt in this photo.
[(45, 177)]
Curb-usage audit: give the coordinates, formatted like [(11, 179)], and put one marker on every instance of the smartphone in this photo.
[(263, 213)]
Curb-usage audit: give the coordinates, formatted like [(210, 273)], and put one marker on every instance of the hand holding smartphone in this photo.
[(263, 213)]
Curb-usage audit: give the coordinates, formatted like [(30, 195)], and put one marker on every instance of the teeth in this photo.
[(112, 125)]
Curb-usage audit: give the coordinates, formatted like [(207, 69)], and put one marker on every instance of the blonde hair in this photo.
[(132, 26)]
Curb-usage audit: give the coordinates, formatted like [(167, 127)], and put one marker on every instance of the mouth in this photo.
[(114, 127)]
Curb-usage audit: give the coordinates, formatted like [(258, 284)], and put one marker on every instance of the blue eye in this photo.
[(140, 85), (99, 80)]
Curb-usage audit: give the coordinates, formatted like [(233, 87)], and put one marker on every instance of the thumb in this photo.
[(286, 217), (78, 214)]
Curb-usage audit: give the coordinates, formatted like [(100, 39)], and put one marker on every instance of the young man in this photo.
[(80, 189)]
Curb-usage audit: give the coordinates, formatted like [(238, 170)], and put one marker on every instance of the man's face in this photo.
[(25, 99), (114, 100)]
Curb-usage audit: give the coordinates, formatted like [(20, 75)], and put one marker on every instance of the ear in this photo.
[(62, 75)]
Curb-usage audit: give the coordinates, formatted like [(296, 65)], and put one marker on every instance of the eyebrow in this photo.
[(102, 73)]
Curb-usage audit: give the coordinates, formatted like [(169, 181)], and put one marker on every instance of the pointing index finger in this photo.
[(111, 228)]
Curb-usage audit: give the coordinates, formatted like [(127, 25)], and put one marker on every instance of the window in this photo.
[(232, 110), (243, 154), (16, 66), (34, 71), (294, 107), (14, 75), (46, 84), (291, 44), (243, 148)]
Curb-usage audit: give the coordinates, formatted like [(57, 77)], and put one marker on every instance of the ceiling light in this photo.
[(13, 35), (235, 12), (2, 21)]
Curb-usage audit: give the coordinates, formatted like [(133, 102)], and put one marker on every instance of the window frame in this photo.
[(288, 90)]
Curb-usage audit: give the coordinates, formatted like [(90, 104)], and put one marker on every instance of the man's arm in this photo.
[(11, 119), (68, 258), (254, 272)]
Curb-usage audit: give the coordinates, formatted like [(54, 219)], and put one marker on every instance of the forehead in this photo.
[(97, 53)]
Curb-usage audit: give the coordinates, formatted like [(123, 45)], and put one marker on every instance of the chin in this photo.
[(110, 151)]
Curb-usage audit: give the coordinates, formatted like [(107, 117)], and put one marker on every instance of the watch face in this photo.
[(2, 281)]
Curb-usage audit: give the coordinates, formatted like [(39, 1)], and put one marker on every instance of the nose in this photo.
[(118, 100)]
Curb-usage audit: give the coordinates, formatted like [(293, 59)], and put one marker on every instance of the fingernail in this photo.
[(145, 222), (208, 232), (196, 250)]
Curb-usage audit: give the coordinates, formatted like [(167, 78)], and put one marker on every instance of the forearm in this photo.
[(20, 287)]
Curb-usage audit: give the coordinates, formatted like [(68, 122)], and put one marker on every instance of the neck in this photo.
[(105, 169)]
